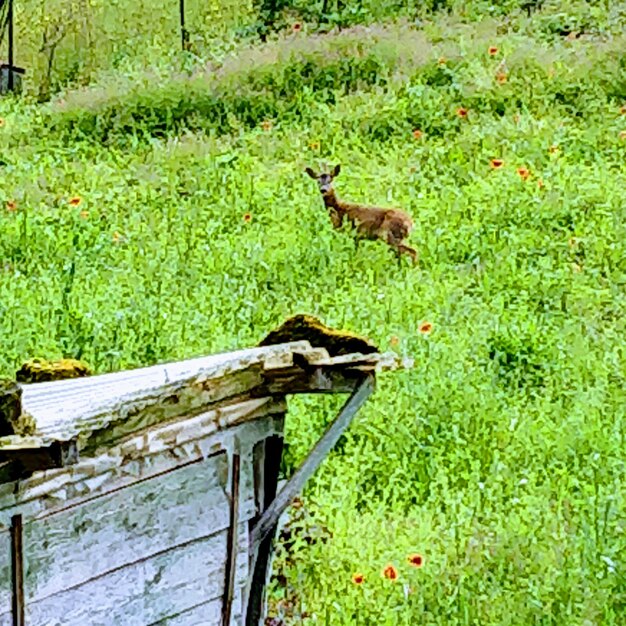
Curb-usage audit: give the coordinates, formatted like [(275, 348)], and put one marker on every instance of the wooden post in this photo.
[(184, 34), (10, 85)]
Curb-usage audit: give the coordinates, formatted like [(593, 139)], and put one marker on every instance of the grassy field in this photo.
[(158, 213)]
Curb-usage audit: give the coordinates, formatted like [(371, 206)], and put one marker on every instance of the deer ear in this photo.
[(336, 170), (310, 172)]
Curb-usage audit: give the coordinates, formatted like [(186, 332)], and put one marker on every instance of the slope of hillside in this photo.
[(156, 216)]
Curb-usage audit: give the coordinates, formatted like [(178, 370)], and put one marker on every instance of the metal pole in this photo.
[(10, 20), (184, 35)]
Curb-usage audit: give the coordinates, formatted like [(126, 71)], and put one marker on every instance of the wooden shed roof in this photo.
[(80, 416)]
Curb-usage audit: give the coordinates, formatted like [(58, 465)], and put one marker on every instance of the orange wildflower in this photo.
[(425, 328), (358, 579), (247, 217), (553, 149), (461, 112), (442, 60), (501, 77), (416, 560), (75, 201), (1, 122), (297, 27), (390, 572), (492, 51), (497, 163), (11, 206), (266, 125), (523, 172), (117, 237), (540, 184), (417, 133)]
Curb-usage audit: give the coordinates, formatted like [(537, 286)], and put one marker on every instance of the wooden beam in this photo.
[(294, 485)]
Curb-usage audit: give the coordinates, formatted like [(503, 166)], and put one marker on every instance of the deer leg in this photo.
[(400, 248), (408, 250)]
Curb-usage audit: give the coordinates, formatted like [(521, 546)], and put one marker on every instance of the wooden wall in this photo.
[(142, 540)]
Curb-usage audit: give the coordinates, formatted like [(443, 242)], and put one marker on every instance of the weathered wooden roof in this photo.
[(81, 415)]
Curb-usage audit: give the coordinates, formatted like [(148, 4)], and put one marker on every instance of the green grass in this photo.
[(500, 456)]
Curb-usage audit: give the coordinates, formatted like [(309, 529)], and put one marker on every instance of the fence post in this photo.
[(10, 84), (184, 34)]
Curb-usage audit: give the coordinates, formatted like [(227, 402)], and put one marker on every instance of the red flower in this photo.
[(416, 560), (75, 201), (297, 27), (358, 579), (523, 172), (425, 328), (11, 206), (497, 163), (390, 572), (1, 122), (501, 77), (492, 51), (247, 217), (417, 133), (461, 112)]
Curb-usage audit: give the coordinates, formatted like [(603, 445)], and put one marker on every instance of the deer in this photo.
[(390, 225)]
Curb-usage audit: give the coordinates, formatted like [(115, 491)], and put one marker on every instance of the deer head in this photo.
[(324, 180)]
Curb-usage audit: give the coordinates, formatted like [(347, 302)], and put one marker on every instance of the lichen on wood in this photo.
[(309, 328), (41, 370), (10, 406)]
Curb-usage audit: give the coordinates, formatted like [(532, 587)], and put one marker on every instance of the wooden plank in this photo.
[(5, 572), (141, 593), (64, 409), (206, 614), (84, 542), (139, 457), (100, 410)]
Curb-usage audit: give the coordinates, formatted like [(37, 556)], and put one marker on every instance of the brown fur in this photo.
[(392, 226)]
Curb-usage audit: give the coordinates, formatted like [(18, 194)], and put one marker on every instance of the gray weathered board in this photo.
[(125, 490)]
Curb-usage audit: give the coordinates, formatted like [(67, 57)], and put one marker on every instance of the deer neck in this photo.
[(331, 201)]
